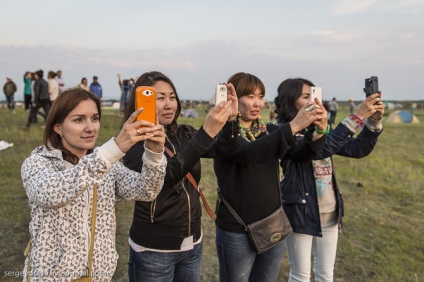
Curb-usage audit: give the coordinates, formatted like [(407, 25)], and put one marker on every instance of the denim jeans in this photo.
[(300, 247), (160, 267), (10, 102), (238, 260)]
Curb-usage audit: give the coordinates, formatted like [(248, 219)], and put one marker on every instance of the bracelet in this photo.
[(326, 131)]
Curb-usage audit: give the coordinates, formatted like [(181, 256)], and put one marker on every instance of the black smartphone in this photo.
[(371, 85)]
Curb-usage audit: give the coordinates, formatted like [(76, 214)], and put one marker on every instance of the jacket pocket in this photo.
[(296, 210)]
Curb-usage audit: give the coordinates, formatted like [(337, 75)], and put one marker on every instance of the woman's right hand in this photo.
[(134, 131), (232, 96), (217, 117), (307, 115)]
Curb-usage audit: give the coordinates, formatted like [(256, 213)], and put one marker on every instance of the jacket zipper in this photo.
[(185, 190), (189, 209), (152, 211)]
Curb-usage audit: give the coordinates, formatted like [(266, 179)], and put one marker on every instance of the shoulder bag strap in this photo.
[(27, 253), (93, 230), (194, 183), (232, 211)]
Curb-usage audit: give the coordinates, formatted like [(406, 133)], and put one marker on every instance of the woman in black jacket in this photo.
[(248, 180), (311, 197), (166, 235)]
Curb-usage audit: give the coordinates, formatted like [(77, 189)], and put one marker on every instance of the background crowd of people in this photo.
[(40, 93)]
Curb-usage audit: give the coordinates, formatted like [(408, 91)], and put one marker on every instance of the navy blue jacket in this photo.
[(298, 188)]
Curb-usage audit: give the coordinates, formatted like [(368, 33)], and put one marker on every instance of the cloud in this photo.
[(351, 7), (333, 59)]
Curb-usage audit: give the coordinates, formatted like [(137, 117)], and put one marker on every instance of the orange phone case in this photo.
[(145, 97)]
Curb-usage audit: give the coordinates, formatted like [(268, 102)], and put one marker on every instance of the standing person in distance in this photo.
[(84, 84), (53, 86), (62, 178), (28, 91), (333, 108), (311, 196), (126, 88), (166, 240), (41, 98), (60, 81), (352, 106), (9, 89), (96, 88), (248, 179)]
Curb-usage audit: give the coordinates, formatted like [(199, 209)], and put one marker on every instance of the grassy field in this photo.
[(382, 239)]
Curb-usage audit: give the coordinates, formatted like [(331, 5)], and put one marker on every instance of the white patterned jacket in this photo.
[(61, 202)]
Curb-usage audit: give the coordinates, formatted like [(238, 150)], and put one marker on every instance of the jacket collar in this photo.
[(55, 155)]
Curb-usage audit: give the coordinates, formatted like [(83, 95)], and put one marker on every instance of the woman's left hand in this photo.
[(232, 96)]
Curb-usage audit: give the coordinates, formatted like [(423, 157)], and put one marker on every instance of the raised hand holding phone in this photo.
[(220, 93)]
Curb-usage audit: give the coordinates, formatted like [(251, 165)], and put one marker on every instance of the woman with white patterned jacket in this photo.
[(61, 177)]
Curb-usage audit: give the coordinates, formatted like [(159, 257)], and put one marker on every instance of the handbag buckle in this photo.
[(276, 237)]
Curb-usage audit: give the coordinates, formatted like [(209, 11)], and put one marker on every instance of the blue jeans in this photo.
[(238, 260), (10, 102), (160, 267)]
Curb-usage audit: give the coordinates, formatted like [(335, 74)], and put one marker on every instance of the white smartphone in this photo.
[(220, 93), (315, 92)]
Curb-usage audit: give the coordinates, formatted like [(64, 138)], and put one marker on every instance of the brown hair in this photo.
[(62, 106), (51, 74), (246, 83)]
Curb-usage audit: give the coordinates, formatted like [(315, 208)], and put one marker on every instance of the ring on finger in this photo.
[(310, 108), (138, 132)]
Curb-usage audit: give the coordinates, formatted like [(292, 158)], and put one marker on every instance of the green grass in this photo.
[(382, 239)]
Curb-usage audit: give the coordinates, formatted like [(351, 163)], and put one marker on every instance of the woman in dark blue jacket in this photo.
[(311, 197)]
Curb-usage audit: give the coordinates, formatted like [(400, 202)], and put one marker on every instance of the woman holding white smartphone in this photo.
[(166, 239)]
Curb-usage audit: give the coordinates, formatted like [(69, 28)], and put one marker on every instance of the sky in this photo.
[(334, 43)]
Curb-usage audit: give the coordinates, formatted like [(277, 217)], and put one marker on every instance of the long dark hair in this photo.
[(148, 79), (288, 92), (62, 106)]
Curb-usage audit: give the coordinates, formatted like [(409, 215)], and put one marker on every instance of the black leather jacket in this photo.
[(300, 199)]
